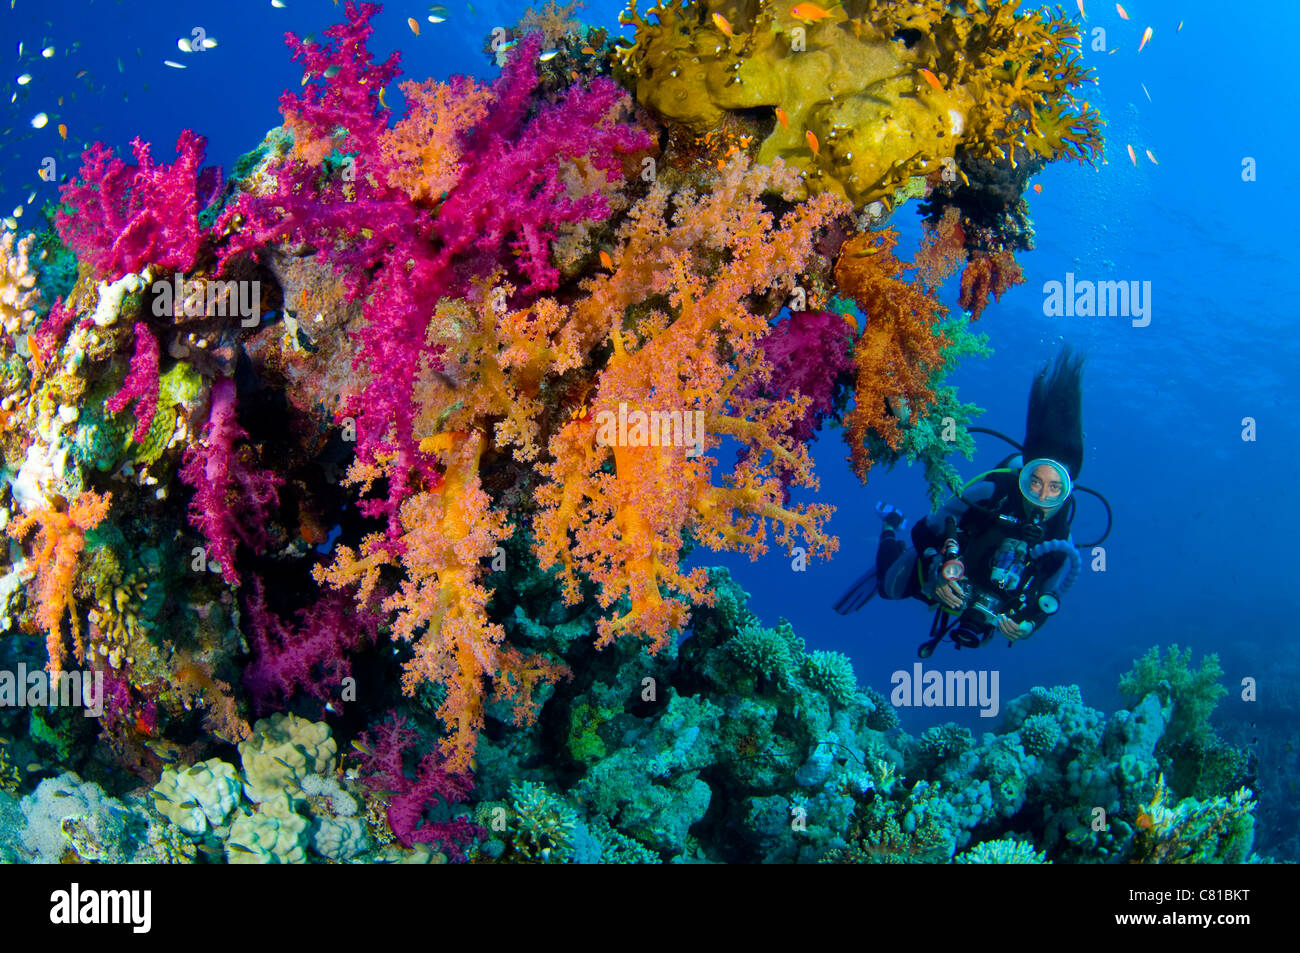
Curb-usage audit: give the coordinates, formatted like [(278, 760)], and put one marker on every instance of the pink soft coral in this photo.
[(232, 499), (141, 383), (124, 217), (383, 765)]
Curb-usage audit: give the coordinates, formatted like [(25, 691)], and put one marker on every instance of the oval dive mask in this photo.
[(1045, 483)]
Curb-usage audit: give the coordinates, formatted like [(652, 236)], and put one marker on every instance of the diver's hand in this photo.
[(1012, 630), (950, 594)]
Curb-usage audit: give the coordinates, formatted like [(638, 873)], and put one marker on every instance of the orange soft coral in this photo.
[(56, 553), (899, 349), (617, 502), (422, 148), (441, 605), (942, 251), (988, 273)]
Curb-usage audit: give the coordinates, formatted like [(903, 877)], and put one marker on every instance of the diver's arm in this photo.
[(929, 532)]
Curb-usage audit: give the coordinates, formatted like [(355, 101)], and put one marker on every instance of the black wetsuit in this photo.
[(980, 535)]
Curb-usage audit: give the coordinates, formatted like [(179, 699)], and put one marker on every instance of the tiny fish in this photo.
[(24, 79), (723, 24), (174, 65), (587, 51), (1132, 155), (851, 321), (279, 5), (190, 803), (83, 73), (34, 766), (782, 118), (332, 71), (1144, 821), (161, 795), (1123, 14), (1144, 89), (810, 12), (382, 101), (1146, 37), (813, 144), (183, 44), (231, 844), (48, 52), (438, 17), (1038, 188), (931, 78), (548, 56), (1081, 13), (1180, 27), (62, 794), (414, 24), (606, 260), (39, 121), (1152, 158), (120, 67), (1112, 52), (63, 132)]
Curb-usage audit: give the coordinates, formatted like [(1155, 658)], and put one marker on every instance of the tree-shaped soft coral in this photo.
[(899, 349), (120, 217), (441, 605), (676, 309), (56, 552)]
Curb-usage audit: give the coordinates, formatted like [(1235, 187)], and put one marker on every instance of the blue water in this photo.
[(1202, 550)]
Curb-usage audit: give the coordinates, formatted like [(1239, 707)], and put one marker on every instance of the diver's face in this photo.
[(1045, 483)]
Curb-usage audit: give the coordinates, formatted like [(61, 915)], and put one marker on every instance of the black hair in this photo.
[(1054, 422)]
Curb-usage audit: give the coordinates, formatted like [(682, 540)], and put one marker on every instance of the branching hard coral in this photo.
[(618, 500), (862, 109), (233, 498), (119, 218), (898, 351), (56, 551)]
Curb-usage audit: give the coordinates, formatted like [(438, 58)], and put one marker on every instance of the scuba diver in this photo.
[(999, 557)]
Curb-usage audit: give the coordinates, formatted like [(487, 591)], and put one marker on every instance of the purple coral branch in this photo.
[(141, 384)]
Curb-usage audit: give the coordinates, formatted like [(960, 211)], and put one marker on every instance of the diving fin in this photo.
[(858, 594)]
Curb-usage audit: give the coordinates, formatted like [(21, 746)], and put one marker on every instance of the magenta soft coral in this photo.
[(312, 659), (383, 756), (124, 217), (233, 499), (141, 384), (502, 212)]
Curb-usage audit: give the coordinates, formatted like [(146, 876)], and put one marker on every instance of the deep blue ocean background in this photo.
[(1203, 551)]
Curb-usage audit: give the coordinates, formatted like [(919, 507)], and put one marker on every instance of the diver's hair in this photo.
[(1054, 422)]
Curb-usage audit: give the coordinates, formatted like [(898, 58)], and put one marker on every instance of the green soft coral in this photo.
[(1194, 692), (999, 82)]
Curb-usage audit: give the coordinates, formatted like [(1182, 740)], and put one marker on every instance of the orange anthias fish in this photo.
[(1146, 37), (810, 12), (1038, 188), (63, 132), (1123, 14), (931, 78), (606, 260), (1144, 821), (723, 24), (414, 24), (1132, 155), (813, 144), (782, 118)]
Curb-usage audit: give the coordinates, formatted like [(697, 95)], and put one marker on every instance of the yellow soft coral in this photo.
[(56, 552)]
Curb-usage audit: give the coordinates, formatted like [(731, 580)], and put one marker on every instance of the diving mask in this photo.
[(1045, 484)]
